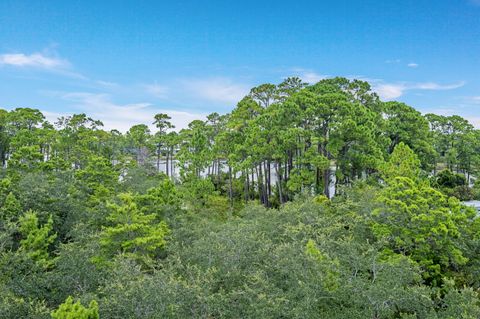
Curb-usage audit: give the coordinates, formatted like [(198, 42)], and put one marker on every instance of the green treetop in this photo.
[(70, 310), (131, 232), (36, 239), (420, 222), (402, 162), (11, 208)]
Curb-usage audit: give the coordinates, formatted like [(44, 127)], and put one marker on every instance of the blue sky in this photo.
[(123, 61)]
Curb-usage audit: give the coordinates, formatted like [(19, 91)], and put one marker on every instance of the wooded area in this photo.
[(305, 201)]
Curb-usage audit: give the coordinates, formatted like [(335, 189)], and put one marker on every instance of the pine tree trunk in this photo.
[(246, 182), (265, 186), (279, 183), (230, 192), (269, 178), (166, 163), (259, 183)]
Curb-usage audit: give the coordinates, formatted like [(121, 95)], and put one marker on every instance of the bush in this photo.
[(453, 184), (448, 179)]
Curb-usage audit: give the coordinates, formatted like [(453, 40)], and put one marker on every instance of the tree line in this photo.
[(233, 216), (280, 140)]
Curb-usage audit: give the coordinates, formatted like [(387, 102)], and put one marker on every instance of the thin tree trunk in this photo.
[(230, 193), (266, 193), (326, 182), (337, 180), (252, 179), (269, 178), (326, 172), (259, 183), (158, 159), (166, 162), (279, 183), (246, 182), (317, 171)]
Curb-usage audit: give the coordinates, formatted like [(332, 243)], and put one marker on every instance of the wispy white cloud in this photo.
[(156, 90), (470, 100), (398, 61), (37, 60), (385, 90), (475, 2), (312, 77), (48, 61), (475, 99), (435, 86), (107, 84), (120, 116), (389, 91), (308, 76), (218, 90)]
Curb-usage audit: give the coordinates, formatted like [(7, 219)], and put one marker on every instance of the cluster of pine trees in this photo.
[(306, 201)]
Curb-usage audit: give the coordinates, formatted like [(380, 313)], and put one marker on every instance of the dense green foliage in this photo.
[(70, 310), (306, 201)]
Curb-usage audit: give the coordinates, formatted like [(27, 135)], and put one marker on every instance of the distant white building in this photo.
[(473, 203)]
